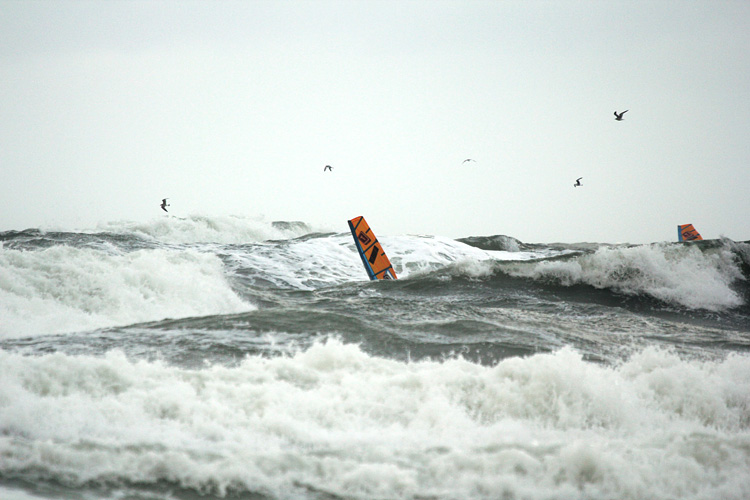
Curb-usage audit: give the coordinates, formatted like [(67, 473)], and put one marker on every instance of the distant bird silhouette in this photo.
[(468, 159), (164, 204), (578, 182), (618, 116), (328, 167)]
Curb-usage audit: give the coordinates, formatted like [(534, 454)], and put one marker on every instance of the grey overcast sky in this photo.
[(235, 107)]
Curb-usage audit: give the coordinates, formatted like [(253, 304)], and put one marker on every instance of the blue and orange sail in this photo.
[(376, 263), (686, 232)]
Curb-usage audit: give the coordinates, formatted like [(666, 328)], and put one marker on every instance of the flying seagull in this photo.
[(468, 159), (164, 204), (618, 116), (578, 182), (328, 167)]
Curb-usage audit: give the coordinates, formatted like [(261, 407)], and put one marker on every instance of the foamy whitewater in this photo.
[(229, 357)]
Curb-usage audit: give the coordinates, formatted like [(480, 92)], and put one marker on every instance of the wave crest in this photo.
[(63, 289), (210, 229), (681, 275)]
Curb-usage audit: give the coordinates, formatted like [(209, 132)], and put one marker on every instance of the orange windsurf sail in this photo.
[(376, 263), (686, 232)]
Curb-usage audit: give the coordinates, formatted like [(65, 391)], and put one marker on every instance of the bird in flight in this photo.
[(328, 167), (618, 116), (468, 159), (164, 204), (578, 182)]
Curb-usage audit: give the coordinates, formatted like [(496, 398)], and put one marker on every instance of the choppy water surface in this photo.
[(227, 357)]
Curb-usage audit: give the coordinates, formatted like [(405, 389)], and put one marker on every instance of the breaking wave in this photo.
[(214, 229), (63, 289), (683, 275), (334, 422)]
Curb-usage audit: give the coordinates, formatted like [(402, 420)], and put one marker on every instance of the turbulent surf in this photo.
[(229, 357)]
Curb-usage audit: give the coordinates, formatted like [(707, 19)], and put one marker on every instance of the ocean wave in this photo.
[(678, 274), (333, 419), (64, 289), (129, 273), (420, 255), (209, 229), (497, 242)]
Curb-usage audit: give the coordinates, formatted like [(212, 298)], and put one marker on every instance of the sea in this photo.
[(229, 357)]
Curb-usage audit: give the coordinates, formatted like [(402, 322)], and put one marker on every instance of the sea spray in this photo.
[(62, 289), (204, 229), (208, 361), (676, 274), (333, 419)]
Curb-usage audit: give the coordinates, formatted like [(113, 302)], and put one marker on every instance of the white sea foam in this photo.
[(308, 263), (64, 289), (678, 274), (335, 420), (410, 254), (16, 494), (209, 229)]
